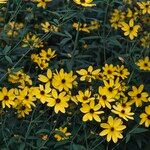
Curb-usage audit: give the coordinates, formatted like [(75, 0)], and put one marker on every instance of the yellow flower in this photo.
[(63, 80), (85, 3), (109, 71), (104, 98), (116, 18), (59, 101), (122, 72), (3, 1), (43, 93), (123, 111), (88, 74), (23, 110), (132, 13), (91, 111), (130, 29), (26, 97), (111, 87), (145, 117), (64, 134), (84, 97), (144, 64), (7, 97), (46, 79), (42, 3), (144, 6), (113, 129), (47, 27), (145, 40), (138, 96)]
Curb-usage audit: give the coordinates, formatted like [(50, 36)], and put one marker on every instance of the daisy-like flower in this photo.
[(123, 111), (144, 64), (89, 74), (145, 117), (46, 79), (122, 72), (59, 101), (84, 97), (43, 93), (144, 6), (42, 3), (113, 129), (91, 111), (138, 96), (104, 98), (109, 71), (85, 3), (64, 134), (63, 80), (47, 27), (7, 97), (130, 29)]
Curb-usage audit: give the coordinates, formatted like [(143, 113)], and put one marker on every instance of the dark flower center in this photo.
[(63, 80), (148, 117), (85, 98), (123, 105), (109, 72), (6, 98), (23, 108), (104, 97), (112, 129), (26, 97), (122, 111), (145, 64), (42, 92), (57, 100), (82, 1), (138, 95), (110, 89), (91, 111)]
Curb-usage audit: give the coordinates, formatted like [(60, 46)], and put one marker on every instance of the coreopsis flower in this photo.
[(43, 93), (123, 111), (42, 3), (144, 6), (3, 1), (64, 134), (26, 97), (113, 129), (23, 110), (63, 80), (122, 72), (91, 111), (138, 96), (81, 27), (7, 97), (116, 18), (89, 74), (145, 40), (47, 27), (130, 29), (84, 97), (46, 79), (144, 64), (145, 117), (104, 98), (85, 3), (47, 54), (59, 101), (43, 64), (109, 71), (32, 41), (132, 14)]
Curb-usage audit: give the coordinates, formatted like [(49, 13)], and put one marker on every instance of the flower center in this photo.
[(109, 72), (63, 80), (138, 95), (82, 1), (110, 89), (85, 98), (112, 129), (26, 97), (6, 98), (42, 92), (23, 108), (123, 105), (122, 111), (148, 117), (104, 97), (57, 100), (145, 64), (91, 111)]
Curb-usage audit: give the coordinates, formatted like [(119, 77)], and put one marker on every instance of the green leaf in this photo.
[(8, 59), (7, 49), (139, 130), (78, 147), (128, 138)]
